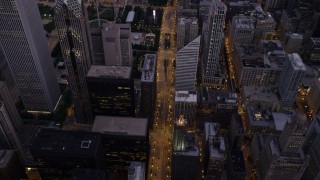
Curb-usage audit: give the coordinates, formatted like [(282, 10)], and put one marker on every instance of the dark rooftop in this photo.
[(237, 161), (59, 143), (85, 174)]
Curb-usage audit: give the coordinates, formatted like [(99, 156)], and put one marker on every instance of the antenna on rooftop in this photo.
[(98, 15)]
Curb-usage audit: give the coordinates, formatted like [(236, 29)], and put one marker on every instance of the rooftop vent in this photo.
[(85, 144)]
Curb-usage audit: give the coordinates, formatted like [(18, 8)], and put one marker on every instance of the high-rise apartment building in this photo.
[(283, 158), (293, 134), (302, 21), (312, 52), (25, 59), (71, 22), (241, 30), (264, 25), (187, 31), (211, 60), (188, 8), (293, 43), (186, 66), (275, 165), (290, 79), (240, 7)]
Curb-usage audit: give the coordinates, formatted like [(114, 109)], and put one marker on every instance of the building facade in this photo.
[(148, 88), (111, 90), (211, 58), (313, 96), (5, 97), (186, 66), (186, 106), (8, 135), (111, 44), (187, 31), (241, 30), (25, 56), (123, 140), (10, 166), (57, 153), (290, 79), (312, 148), (215, 151), (71, 22), (185, 162), (258, 65)]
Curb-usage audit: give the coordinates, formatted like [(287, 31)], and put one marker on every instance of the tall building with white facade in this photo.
[(290, 80), (186, 107), (186, 66), (25, 59), (211, 60), (71, 22)]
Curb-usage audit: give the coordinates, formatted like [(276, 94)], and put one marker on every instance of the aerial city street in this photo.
[(160, 89)]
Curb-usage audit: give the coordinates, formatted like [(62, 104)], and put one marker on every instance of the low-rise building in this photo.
[(215, 151)]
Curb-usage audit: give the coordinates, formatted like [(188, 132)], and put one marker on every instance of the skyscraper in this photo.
[(241, 30), (211, 64), (283, 158), (185, 155), (187, 31), (293, 134), (111, 91), (26, 55), (8, 135), (186, 107), (186, 66), (10, 166), (312, 148), (148, 88), (112, 45), (10, 106), (290, 80), (313, 97), (71, 22)]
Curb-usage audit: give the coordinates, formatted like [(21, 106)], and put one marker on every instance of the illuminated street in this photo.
[(161, 135)]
